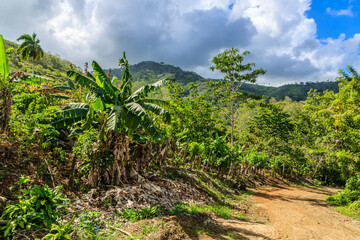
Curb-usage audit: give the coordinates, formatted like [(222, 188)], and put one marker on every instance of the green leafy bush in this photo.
[(355, 206), (84, 149), (39, 207), (343, 197), (349, 195), (60, 231), (338, 199), (257, 159), (353, 183)]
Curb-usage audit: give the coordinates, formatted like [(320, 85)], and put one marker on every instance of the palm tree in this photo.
[(117, 114), (30, 49)]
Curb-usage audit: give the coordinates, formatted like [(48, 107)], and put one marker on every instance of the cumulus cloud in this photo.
[(287, 46), (186, 33), (342, 12)]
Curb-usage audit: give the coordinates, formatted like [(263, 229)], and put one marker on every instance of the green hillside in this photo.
[(51, 66), (297, 92), (149, 71)]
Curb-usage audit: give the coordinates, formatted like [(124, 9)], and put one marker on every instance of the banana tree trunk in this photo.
[(5, 107)]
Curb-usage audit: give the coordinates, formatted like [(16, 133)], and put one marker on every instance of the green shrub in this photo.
[(84, 149), (343, 197), (353, 183), (39, 208), (349, 195), (353, 195), (257, 159), (279, 163), (355, 206), (338, 199), (60, 231)]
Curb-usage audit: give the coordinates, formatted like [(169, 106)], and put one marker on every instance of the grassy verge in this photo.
[(349, 211)]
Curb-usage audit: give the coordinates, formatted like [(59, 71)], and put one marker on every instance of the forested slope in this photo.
[(51, 66), (149, 71)]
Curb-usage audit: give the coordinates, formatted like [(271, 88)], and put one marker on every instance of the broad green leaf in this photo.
[(157, 110), (114, 120), (75, 132), (98, 105), (4, 62), (144, 91), (140, 116), (58, 96), (161, 103), (90, 84)]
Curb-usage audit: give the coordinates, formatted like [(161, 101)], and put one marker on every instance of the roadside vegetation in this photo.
[(84, 153)]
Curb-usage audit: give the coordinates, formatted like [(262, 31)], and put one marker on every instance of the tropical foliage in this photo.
[(229, 62), (98, 130), (38, 207), (116, 112)]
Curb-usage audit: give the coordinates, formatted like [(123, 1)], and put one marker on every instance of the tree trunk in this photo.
[(5, 106), (283, 170), (185, 152), (72, 177), (232, 123), (230, 169), (274, 159), (192, 162)]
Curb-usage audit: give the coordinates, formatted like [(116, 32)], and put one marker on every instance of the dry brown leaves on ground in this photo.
[(159, 191)]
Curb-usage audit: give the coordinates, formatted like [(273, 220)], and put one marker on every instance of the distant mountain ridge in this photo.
[(150, 71), (297, 92), (54, 67), (147, 70)]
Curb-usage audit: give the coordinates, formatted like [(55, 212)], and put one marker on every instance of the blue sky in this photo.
[(335, 17), (294, 41)]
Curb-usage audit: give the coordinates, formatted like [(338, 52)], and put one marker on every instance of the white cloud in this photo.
[(287, 46), (185, 33), (341, 12)]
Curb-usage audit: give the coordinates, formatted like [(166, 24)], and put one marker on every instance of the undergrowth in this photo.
[(45, 208), (347, 201), (38, 208)]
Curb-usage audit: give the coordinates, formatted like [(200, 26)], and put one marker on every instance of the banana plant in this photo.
[(112, 108), (117, 112)]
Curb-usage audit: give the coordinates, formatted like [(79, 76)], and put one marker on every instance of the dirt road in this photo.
[(296, 213)]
